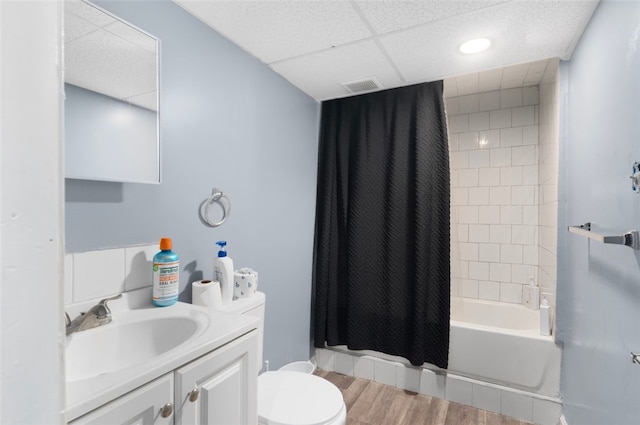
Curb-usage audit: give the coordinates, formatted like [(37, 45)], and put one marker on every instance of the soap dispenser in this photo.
[(223, 270), (531, 295), (545, 316)]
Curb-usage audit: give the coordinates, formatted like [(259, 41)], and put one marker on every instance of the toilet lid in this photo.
[(286, 398)]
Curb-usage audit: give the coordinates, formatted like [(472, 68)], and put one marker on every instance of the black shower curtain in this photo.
[(381, 251)]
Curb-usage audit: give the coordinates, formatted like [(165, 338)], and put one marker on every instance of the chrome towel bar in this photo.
[(630, 239)]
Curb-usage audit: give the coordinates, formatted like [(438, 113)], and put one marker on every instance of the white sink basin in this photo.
[(130, 339)]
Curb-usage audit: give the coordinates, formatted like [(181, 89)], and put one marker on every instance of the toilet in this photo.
[(291, 395)]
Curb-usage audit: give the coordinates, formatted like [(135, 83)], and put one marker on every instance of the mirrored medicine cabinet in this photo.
[(111, 102)]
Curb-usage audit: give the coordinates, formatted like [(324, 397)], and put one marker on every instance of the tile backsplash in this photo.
[(97, 274)]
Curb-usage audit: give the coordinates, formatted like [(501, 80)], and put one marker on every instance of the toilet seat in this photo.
[(294, 398)]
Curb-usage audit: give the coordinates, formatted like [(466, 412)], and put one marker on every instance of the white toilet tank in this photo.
[(252, 306)]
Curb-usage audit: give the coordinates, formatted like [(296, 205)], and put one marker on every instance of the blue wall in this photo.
[(599, 285), (230, 122)]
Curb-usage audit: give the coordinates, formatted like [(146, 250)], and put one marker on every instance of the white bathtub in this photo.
[(500, 343)]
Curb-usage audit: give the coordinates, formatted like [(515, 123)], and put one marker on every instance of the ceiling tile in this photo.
[(387, 16), (320, 74), (276, 30)]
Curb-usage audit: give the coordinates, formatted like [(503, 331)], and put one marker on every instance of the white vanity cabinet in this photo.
[(218, 388)]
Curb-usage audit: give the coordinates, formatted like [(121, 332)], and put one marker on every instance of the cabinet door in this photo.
[(220, 388), (142, 406)]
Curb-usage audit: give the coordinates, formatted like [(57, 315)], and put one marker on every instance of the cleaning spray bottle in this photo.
[(166, 275), (223, 270)]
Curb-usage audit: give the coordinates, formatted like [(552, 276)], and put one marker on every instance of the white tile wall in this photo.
[(343, 363), (363, 367), (486, 397), (458, 390), (500, 160), (325, 359), (431, 383), (97, 274), (385, 372), (517, 405)]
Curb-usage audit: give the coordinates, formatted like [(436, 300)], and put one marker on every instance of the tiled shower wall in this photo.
[(494, 151)]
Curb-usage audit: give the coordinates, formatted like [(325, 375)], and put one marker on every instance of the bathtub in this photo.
[(500, 343)]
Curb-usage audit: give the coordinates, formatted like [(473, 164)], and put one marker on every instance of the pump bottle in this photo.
[(223, 270), (166, 275)]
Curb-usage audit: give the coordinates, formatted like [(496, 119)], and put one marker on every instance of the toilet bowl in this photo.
[(292, 395)]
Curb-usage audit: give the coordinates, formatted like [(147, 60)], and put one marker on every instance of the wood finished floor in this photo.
[(373, 403)]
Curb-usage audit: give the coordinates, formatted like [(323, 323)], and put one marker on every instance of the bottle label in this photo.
[(165, 281)]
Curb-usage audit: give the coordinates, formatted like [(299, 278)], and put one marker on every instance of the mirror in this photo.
[(111, 97)]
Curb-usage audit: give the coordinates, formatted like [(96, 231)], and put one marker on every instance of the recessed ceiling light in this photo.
[(476, 45)]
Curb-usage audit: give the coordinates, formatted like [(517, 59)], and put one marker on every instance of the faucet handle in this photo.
[(103, 303)]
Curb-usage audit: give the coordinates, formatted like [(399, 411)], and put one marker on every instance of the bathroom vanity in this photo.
[(174, 365)]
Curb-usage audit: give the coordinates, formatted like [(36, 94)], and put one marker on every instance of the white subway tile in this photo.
[(510, 137), (458, 390), (501, 157), (530, 135), (478, 271), (530, 95), (530, 255), (468, 251), (489, 177), (511, 176), (548, 238), (510, 292), (546, 258), (489, 252), (454, 287), (488, 290), (68, 278), (486, 398), (459, 123), (479, 196), (453, 141), (408, 378), (468, 288), (489, 215), (468, 104), (548, 215), (468, 141), (499, 272), (325, 359), (363, 367), (468, 177), (479, 233), (500, 118), (511, 254), (499, 233), (343, 363), (510, 214), (523, 195), (537, 115), (517, 406), (489, 139), (459, 159), (530, 175), (451, 106), (479, 121), (385, 371), (489, 101), (138, 266), (520, 273), (98, 274), (459, 196), (524, 235), (530, 215), (468, 214), (463, 232), (500, 195), (522, 116), (546, 412), (511, 98), (432, 384), (462, 268), (523, 155), (479, 158)]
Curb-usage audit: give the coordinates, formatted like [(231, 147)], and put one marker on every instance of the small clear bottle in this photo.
[(166, 275)]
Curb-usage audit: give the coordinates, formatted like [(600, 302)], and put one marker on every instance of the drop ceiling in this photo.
[(319, 45)]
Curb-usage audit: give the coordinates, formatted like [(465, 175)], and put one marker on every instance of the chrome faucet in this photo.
[(97, 315)]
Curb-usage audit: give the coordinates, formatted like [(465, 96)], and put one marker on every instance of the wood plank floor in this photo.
[(373, 403)]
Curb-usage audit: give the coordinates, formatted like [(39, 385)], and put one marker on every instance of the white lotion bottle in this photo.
[(223, 271), (545, 316), (531, 295)]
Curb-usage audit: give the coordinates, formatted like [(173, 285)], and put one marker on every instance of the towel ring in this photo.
[(217, 197)]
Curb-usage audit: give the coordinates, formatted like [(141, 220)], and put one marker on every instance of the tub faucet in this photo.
[(97, 315)]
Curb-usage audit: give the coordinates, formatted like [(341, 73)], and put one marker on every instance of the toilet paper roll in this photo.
[(245, 283), (206, 293)]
